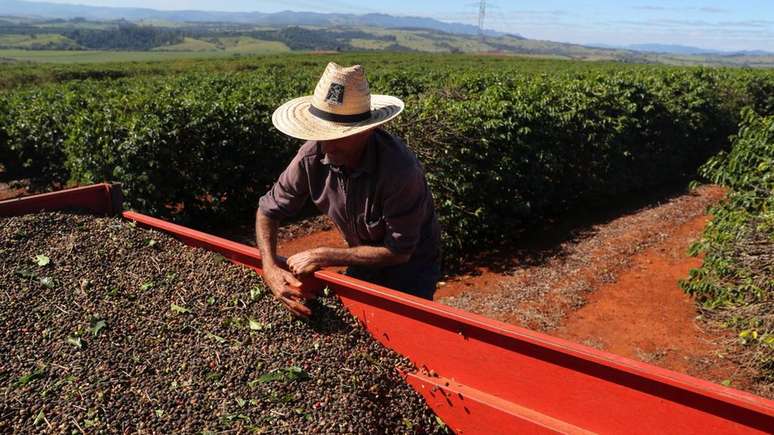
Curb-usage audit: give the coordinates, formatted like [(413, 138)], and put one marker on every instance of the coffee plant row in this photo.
[(505, 143), (736, 280)]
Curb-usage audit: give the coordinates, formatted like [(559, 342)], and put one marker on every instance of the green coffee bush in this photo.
[(734, 283), (504, 146), (33, 132)]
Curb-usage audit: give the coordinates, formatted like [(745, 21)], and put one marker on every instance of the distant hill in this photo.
[(671, 48), (36, 26), (286, 18), (682, 50), (80, 33)]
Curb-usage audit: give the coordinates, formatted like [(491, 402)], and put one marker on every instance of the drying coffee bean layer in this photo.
[(108, 327)]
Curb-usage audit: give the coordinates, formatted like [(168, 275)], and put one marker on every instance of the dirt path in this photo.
[(613, 287), (645, 315), (11, 190), (539, 286), (330, 238), (646, 293)]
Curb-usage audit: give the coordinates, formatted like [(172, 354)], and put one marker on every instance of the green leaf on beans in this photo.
[(256, 292), (75, 341), (41, 417), (42, 260), (217, 338), (97, 326), (29, 377), (178, 309)]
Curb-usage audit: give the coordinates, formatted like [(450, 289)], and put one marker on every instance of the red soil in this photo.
[(8, 192), (329, 238), (646, 315), (483, 280), (616, 290)]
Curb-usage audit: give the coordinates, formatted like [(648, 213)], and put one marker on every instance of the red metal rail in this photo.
[(98, 198), (487, 376)]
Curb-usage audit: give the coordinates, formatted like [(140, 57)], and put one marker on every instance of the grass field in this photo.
[(236, 44), (189, 44), (96, 56), (232, 49), (246, 44), (428, 41), (35, 41), (190, 48), (369, 44), (220, 42)]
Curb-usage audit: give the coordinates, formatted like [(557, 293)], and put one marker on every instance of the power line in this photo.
[(497, 19), (481, 18)]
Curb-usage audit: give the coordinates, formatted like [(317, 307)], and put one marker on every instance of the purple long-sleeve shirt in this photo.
[(384, 202)]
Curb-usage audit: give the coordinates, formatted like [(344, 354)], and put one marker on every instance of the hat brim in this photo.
[(294, 119)]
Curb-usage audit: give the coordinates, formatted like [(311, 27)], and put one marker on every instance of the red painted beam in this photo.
[(464, 409), (580, 386), (98, 199), (514, 379)]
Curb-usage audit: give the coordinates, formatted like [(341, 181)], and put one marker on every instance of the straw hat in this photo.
[(341, 106)]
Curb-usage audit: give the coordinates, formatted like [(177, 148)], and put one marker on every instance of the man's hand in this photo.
[(278, 280), (306, 261)]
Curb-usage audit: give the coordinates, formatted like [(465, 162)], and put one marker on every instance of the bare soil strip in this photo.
[(615, 287), (13, 189), (539, 294)]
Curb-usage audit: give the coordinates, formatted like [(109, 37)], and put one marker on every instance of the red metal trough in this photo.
[(484, 376)]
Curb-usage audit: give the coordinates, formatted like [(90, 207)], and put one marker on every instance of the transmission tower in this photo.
[(481, 17)]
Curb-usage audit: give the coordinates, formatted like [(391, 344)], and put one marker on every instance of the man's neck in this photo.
[(356, 154), (356, 157)]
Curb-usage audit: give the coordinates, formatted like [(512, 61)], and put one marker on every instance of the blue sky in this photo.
[(739, 25)]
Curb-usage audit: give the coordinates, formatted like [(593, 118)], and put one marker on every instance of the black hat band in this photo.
[(335, 117)]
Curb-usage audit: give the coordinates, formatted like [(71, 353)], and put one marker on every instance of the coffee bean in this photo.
[(151, 368)]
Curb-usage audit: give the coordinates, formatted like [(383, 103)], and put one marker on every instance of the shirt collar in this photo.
[(367, 162)]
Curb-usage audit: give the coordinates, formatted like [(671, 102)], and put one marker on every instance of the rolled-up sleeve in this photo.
[(405, 209), (288, 195)]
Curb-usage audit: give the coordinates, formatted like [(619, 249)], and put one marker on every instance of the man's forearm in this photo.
[(266, 238), (373, 256)]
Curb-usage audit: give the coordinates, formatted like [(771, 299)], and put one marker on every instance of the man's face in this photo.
[(341, 151)]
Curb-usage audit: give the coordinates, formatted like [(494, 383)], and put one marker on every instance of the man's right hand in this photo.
[(279, 281)]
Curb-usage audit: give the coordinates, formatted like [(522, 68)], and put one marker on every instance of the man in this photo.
[(366, 180)]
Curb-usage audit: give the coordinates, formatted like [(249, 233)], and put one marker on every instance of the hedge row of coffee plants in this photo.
[(189, 141), (504, 152), (502, 149), (736, 281), (419, 65)]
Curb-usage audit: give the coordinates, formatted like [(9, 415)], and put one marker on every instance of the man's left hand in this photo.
[(306, 261)]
